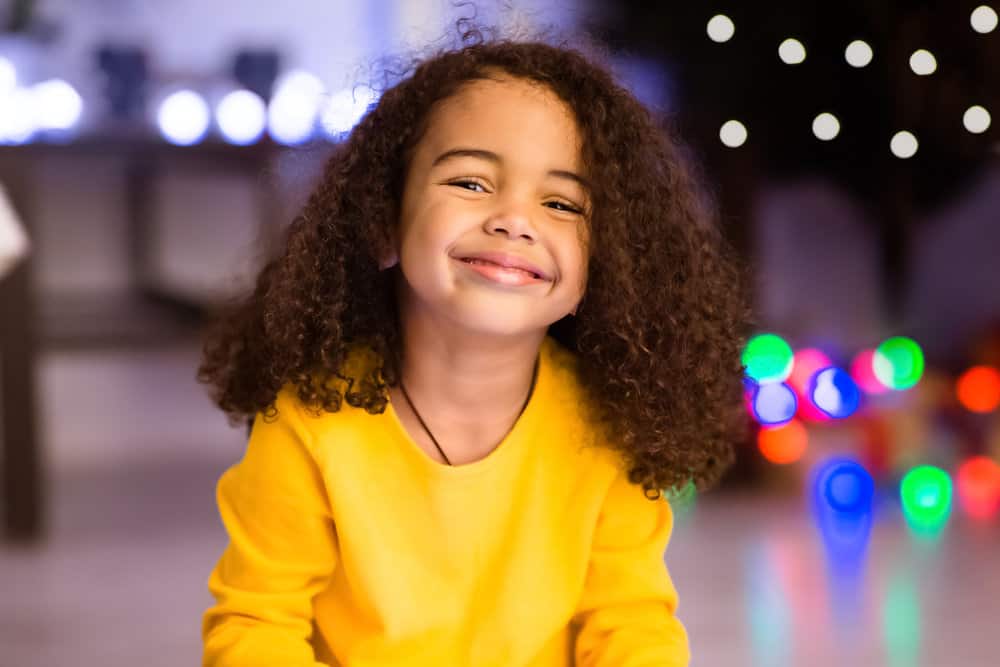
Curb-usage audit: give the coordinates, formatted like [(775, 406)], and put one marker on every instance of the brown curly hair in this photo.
[(663, 320)]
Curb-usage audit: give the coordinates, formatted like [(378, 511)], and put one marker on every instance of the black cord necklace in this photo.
[(534, 376)]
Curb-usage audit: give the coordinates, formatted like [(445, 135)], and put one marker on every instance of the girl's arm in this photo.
[(626, 614), (282, 550)]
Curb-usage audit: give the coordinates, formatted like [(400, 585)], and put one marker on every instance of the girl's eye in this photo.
[(565, 207), (462, 185)]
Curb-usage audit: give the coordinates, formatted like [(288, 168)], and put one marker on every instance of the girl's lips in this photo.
[(501, 274)]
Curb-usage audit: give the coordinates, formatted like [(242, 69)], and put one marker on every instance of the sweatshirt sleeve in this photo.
[(282, 550), (626, 613)]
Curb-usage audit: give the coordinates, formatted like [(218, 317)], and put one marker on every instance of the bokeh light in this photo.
[(978, 389), (863, 372), (826, 126), (242, 117), (344, 109), (774, 403), (898, 363), (18, 116), (806, 362), (983, 19), (721, 28), (59, 105), (925, 493), (783, 444), (923, 62), (844, 486), (834, 392), (978, 483), (976, 119), (791, 51), (295, 107), (903, 145), (842, 494), (858, 53), (733, 133), (768, 358), (183, 118)]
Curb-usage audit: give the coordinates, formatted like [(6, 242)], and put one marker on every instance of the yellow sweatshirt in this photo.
[(349, 546)]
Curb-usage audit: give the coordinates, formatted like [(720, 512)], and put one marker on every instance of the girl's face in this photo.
[(497, 171)]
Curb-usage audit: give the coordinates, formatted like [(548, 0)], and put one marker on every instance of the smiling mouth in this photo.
[(505, 275)]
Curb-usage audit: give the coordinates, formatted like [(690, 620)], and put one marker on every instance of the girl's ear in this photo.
[(391, 257), (389, 261)]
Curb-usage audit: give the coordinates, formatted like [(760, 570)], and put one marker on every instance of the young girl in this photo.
[(501, 325)]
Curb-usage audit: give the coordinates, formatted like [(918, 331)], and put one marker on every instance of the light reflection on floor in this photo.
[(758, 588), (122, 581)]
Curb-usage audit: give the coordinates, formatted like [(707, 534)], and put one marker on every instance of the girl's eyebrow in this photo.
[(490, 156)]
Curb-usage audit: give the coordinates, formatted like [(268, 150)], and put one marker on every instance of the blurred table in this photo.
[(22, 485)]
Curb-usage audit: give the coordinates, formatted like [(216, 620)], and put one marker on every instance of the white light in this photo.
[(344, 109), (721, 28), (903, 145), (241, 116), (826, 126), (858, 53), (976, 119), (791, 51), (292, 114), (18, 116), (183, 118), (8, 75), (733, 133), (923, 62), (59, 105), (983, 19)]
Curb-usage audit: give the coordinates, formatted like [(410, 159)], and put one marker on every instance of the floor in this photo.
[(133, 534)]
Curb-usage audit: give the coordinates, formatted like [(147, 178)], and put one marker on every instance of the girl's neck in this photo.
[(464, 383)]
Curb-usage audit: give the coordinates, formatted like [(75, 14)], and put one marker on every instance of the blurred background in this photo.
[(151, 152)]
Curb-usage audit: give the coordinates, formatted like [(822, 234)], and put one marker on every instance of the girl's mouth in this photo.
[(502, 274)]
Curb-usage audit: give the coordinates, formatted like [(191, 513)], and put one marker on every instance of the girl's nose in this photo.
[(513, 222)]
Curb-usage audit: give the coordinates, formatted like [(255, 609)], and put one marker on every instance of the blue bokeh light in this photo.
[(834, 391), (774, 403)]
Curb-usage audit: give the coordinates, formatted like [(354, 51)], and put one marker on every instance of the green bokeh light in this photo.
[(898, 363), (768, 358), (926, 496)]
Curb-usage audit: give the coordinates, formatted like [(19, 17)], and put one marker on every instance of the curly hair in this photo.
[(661, 325)]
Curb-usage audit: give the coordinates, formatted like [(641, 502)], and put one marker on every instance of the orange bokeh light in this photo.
[(978, 389), (783, 444), (978, 482)]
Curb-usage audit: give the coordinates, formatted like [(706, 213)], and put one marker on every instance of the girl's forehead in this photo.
[(506, 115)]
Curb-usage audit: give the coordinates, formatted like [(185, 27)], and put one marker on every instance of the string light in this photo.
[(183, 118), (783, 444), (858, 53), (295, 107), (242, 117), (721, 28), (826, 126), (976, 119), (898, 363), (768, 358), (923, 62), (58, 104), (733, 133), (903, 145), (791, 51), (983, 19), (978, 389)]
